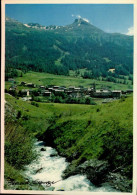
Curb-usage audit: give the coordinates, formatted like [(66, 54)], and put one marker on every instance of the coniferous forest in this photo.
[(73, 47)]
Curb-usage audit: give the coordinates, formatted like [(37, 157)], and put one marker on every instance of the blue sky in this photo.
[(108, 17)]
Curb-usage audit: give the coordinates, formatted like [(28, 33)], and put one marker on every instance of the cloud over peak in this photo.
[(130, 31), (79, 17)]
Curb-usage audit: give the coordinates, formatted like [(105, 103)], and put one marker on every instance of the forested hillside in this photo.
[(76, 46)]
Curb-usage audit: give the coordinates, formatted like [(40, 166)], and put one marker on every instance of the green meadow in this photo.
[(50, 79)]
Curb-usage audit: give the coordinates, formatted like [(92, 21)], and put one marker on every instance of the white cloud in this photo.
[(78, 16), (130, 31), (86, 20)]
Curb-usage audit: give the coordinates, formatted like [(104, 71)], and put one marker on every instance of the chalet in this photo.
[(43, 91), (55, 87), (87, 91), (47, 93), (42, 87), (11, 80), (49, 86), (23, 83), (116, 93), (101, 93), (71, 88), (62, 88), (129, 91), (76, 94), (50, 89), (30, 91), (30, 85), (112, 70), (123, 92), (77, 89), (25, 92), (12, 89), (26, 98), (68, 92), (73, 94), (57, 91)]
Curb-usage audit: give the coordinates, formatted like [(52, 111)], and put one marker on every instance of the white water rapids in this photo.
[(50, 168)]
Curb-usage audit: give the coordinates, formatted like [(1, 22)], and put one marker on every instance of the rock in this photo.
[(50, 189), (95, 170), (69, 171), (43, 149), (60, 190), (38, 170), (119, 182), (54, 154)]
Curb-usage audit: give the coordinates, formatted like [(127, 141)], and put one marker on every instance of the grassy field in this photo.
[(50, 79), (38, 117)]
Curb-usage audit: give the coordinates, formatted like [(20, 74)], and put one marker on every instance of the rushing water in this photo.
[(50, 166)]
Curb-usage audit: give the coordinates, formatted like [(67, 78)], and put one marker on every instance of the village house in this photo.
[(129, 91), (13, 88), (47, 93), (42, 91), (75, 94), (68, 92), (50, 89), (25, 92), (71, 88), (116, 93), (112, 70), (42, 87), (77, 89), (11, 80), (30, 91), (55, 87), (31, 85), (101, 93), (57, 91), (23, 83), (26, 98), (62, 88)]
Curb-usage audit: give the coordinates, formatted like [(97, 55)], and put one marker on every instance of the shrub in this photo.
[(19, 114)]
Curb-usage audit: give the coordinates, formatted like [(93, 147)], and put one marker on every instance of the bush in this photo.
[(18, 142), (35, 104), (19, 114), (25, 117)]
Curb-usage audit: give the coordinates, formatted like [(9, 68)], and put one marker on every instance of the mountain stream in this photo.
[(48, 168)]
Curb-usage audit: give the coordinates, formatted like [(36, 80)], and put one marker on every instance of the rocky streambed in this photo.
[(54, 173)]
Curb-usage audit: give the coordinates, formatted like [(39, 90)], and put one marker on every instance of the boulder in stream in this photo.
[(54, 154), (43, 149), (95, 170), (119, 182)]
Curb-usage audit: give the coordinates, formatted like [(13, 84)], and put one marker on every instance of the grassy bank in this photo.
[(18, 150), (96, 132), (102, 132)]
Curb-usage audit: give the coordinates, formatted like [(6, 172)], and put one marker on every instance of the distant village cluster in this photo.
[(72, 91)]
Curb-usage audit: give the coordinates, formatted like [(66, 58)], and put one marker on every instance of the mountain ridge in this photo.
[(60, 49), (54, 27)]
